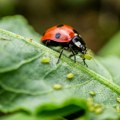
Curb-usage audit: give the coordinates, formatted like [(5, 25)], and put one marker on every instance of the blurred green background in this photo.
[(96, 20)]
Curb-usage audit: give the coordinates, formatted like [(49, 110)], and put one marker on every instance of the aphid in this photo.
[(45, 60), (70, 75), (92, 93), (57, 86)]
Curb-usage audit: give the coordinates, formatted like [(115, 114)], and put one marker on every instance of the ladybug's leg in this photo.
[(73, 53), (48, 43), (85, 62), (60, 54)]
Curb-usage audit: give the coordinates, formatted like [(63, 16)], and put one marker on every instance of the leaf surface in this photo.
[(28, 84), (19, 25)]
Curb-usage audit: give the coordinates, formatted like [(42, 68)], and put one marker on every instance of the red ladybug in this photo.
[(66, 37)]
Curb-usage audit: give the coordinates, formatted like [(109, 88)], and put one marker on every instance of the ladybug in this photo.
[(66, 37)]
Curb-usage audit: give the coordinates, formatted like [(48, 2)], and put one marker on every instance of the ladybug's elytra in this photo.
[(66, 37)]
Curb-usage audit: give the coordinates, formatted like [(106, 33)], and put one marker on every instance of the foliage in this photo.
[(32, 89)]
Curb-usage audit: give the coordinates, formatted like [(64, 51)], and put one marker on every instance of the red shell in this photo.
[(67, 33)]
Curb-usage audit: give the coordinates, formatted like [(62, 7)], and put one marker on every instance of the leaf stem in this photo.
[(101, 79)]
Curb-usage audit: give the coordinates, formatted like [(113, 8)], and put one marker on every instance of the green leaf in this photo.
[(18, 24), (112, 64), (30, 91), (23, 116), (112, 47), (108, 114), (28, 84)]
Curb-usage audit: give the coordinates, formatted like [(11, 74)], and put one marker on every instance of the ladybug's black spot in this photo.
[(75, 31), (60, 25), (57, 35)]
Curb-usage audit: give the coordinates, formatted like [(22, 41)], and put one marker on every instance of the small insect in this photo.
[(66, 37)]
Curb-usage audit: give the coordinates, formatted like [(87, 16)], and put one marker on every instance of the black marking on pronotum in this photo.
[(60, 25), (57, 35), (75, 31)]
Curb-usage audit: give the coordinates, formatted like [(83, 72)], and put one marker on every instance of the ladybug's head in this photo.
[(79, 44), (83, 49)]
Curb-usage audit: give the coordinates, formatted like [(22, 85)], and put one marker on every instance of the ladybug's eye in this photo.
[(82, 47)]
